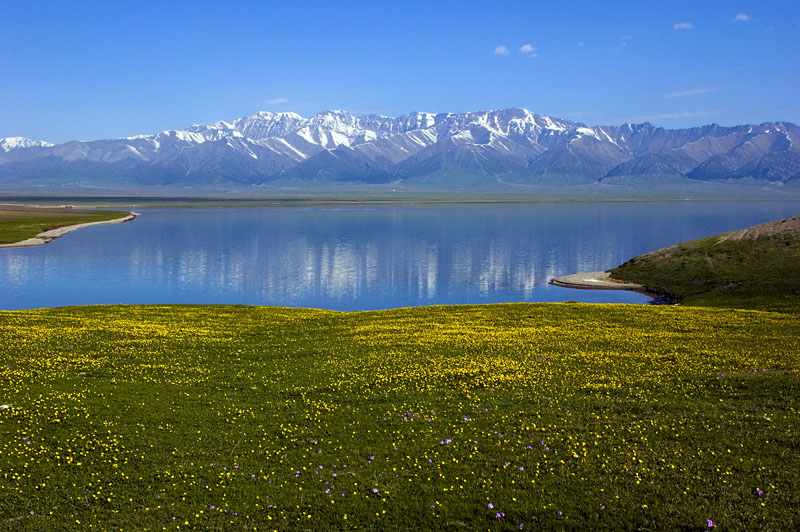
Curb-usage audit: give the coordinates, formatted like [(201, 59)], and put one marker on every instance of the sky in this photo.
[(89, 70)]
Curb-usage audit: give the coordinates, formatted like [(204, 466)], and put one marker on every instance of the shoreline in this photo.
[(48, 236), (595, 281), (603, 281)]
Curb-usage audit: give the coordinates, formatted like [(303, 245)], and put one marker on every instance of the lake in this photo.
[(359, 258)]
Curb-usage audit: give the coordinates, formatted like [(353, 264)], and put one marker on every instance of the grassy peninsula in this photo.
[(18, 223), (757, 267), (498, 417)]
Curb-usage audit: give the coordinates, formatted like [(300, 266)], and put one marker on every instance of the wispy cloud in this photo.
[(741, 17), (580, 44), (669, 116), (277, 101), (502, 50), (683, 26), (624, 41), (690, 92), (575, 114), (529, 50)]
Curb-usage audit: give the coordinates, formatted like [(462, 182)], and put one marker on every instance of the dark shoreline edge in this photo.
[(603, 281)]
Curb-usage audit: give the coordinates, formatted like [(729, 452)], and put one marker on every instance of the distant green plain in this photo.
[(21, 223)]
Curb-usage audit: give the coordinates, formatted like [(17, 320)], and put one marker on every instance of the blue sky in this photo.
[(89, 70)]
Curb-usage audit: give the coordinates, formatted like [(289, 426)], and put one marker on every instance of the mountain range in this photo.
[(508, 148)]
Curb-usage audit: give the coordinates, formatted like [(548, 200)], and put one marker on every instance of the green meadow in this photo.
[(497, 417), (17, 223)]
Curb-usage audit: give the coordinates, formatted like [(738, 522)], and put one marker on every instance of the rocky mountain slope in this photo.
[(512, 147)]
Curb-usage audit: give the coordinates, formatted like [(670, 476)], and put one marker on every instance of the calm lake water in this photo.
[(361, 257)]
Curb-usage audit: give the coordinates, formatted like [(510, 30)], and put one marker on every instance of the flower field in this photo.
[(497, 417)]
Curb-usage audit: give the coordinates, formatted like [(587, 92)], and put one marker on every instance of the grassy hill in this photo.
[(757, 267), (496, 417)]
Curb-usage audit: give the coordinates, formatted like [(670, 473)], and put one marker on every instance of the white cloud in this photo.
[(683, 26), (624, 41), (690, 92), (580, 44), (276, 101), (741, 17), (669, 116), (529, 50), (501, 50), (574, 114)]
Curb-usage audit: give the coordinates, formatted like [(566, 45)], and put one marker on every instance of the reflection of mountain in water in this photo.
[(297, 256), (357, 258)]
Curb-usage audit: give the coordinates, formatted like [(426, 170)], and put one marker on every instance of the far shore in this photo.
[(50, 235)]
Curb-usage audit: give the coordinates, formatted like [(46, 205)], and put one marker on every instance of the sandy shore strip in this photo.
[(594, 281), (52, 234)]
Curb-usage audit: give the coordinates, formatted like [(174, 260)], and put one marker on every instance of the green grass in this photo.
[(762, 273), (559, 416), (20, 224)]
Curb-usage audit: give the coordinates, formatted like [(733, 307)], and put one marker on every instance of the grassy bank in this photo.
[(543, 417), (759, 270), (21, 223)]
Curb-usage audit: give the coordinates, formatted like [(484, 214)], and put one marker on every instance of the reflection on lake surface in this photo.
[(358, 258)]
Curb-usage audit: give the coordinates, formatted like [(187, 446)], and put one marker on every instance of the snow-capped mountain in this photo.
[(14, 143), (510, 147)]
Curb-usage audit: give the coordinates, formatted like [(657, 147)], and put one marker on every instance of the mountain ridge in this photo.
[(500, 148)]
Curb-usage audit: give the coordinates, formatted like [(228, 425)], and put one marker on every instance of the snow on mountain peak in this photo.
[(284, 145), (334, 127), (14, 143)]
